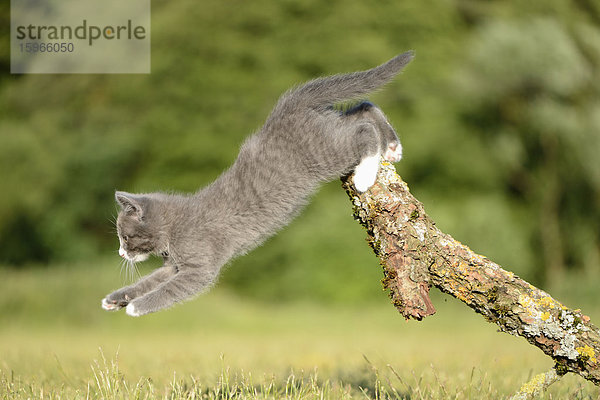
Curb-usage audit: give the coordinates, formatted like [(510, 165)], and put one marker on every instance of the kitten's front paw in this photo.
[(115, 301), (134, 310), (109, 305), (131, 311)]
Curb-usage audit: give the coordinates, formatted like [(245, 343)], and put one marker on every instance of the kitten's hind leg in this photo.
[(122, 297), (365, 173), (390, 144), (392, 148), (367, 145)]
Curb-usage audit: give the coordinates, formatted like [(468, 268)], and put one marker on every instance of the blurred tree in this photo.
[(531, 89), (511, 145)]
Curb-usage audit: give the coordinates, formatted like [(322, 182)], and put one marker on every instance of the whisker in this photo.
[(123, 272), (133, 271), (137, 273), (129, 270)]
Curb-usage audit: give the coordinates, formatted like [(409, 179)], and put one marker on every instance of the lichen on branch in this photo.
[(416, 255)]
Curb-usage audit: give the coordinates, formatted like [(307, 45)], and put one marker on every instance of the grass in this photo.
[(56, 342)]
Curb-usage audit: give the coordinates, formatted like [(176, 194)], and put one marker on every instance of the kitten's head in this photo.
[(138, 226)]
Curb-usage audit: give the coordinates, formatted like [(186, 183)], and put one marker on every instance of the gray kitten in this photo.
[(303, 143)]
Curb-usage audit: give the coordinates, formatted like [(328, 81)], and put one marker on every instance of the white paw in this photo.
[(394, 152), (109, 306), (131, 311), (365, 173)]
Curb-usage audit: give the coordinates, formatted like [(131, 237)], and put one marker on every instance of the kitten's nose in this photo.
[(121, 252)]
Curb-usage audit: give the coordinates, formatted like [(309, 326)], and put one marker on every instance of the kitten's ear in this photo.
[(131, 204)]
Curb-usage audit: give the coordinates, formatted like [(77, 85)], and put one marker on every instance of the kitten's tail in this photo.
[(337, 88)]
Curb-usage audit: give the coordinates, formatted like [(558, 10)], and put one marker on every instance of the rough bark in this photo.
[(416, 255), (536, 386)]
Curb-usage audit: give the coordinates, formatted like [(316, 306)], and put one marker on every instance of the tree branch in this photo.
[(416, 255), (536, 386)]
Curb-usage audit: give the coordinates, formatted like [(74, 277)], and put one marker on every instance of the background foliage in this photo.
[(499, 116)]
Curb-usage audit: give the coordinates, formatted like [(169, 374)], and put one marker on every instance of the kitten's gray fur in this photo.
[(303, 143)]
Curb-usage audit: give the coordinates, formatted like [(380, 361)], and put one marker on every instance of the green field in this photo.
[(56, 342)]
